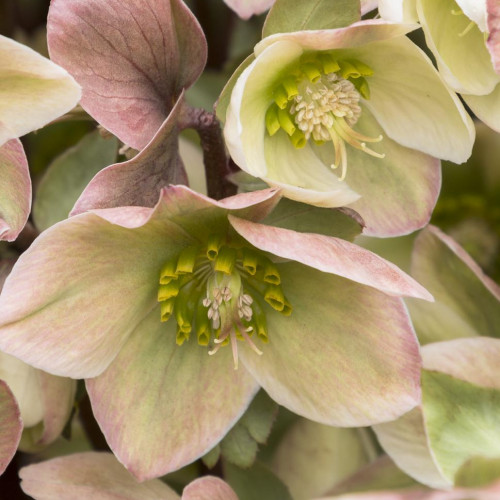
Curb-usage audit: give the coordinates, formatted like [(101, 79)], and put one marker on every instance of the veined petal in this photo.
[(398, 11), (399, 190), (411, 102), (463, 60), (11, 426), (331, 255), (247, 8), (188, 399), (302, 176), (34, 90), (15, 190), (208, 488), (77, 293), (486, 107), (245, 127), (475, 10), (355, 357), (88, 475)]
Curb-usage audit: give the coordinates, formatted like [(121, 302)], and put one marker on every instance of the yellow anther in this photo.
[(286, 122)]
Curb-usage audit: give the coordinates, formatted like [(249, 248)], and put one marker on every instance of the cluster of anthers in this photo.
[(221, 292), (319, 100)]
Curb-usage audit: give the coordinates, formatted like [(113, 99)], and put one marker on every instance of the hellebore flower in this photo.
[(11, 426), (348, 116), (34, 91), (336, 346), (463, 36), (100, 475)]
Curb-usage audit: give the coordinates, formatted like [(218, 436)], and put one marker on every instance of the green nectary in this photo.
[(318, 100), (220, 292)]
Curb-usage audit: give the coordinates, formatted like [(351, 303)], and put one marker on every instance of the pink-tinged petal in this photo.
[(368, 5), (398, 191), (398, 11), (247, 8), (459, 359), (346, 356), (34, 90), (406, 441), (11, 426), (475, 10), (188, 399), (467, 301), (15, 190), (132, 59), (493, 42), (331, 255), (89, 475), (208, 488), (138, 182), (486, 107), (78, 292)]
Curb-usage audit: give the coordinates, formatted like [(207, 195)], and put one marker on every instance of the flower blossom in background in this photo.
[(352, 116), (248, 8), (315, 320)]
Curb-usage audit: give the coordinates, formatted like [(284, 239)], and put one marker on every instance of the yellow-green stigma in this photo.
[(221, 292), (320, 101), (460, 12)]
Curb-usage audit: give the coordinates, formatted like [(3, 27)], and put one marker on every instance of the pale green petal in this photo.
[(245, 127), (162, 406), (474, 10), (33, 90), (346, 356), (464, 61), (302, 176), (398, 11), (486, 107)]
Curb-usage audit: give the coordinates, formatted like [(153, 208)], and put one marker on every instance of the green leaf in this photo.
[(462, 420), (239, 447), (260, 416), (478, 471), (67, 176), (297, 15), (338, 222), (257, 483), (212, 457)]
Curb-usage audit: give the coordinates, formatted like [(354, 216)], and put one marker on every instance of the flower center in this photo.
[(221, 292), (320, 101)]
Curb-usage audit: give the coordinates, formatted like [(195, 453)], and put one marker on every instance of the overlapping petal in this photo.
[(247, 8), (10, 426)]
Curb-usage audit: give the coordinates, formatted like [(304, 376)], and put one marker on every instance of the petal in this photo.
[(138, 182), (88, 475), (368, 6), (398, 11), (406, 442), (189, 400), (346, 356), (411, 102), (132, 59), (11, 426), (331, 255), (398, 192), (302, 176), (34, 90), (15, 190), (463, 59), (475, 10), (486, 107), (247, 8), (208, 488), (245, 127), (70, 314), (467, 301), (493, 42)]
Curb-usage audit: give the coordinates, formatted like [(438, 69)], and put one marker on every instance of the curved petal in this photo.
[(88, 475), (493, 41), (138, 182), (486, 107), (247, 8), (132, 58), (245, 127), (411, 102), (302, 176), (331, 255), (34, 90), (462, 57), (208, 488), (76, 294), (346, 356), (398, 11), (15, 190), (188, 399), (398, 191), (475, 10), (11, 426)]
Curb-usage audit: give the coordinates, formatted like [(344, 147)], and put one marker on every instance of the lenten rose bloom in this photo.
[(34, 91), (315, 320), (350, 116)]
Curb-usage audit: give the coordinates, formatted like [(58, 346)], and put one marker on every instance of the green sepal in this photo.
[(211, 458)]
